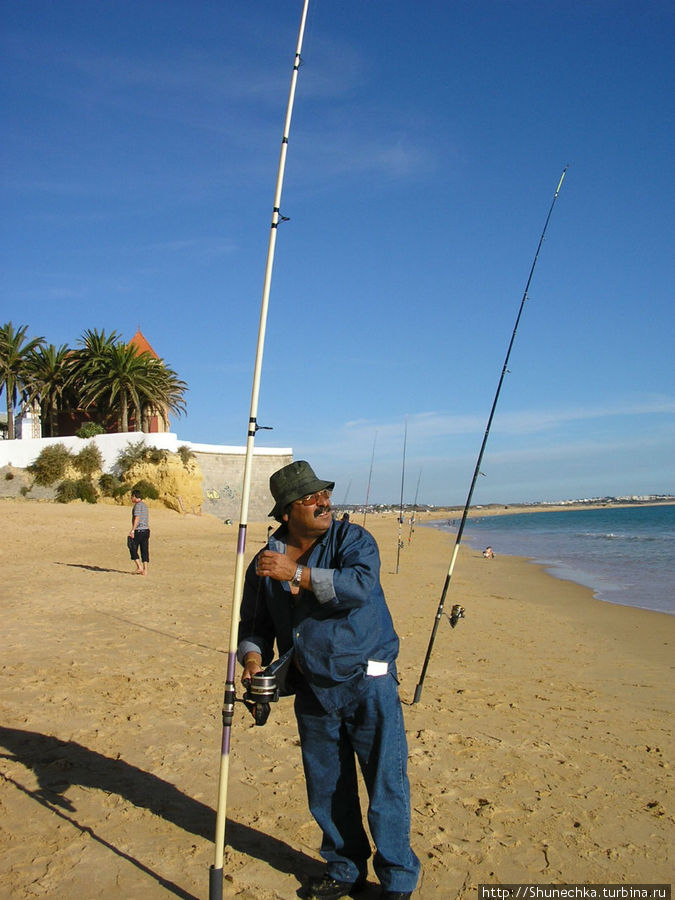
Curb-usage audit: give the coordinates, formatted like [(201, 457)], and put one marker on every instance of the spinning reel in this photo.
[(261, 690), (266, 687), (456, 613)]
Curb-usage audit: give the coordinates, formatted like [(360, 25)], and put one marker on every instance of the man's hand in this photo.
[(252, 665), (275, 565)]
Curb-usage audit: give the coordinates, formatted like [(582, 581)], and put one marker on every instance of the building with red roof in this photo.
[(142, 344), (156, 418)]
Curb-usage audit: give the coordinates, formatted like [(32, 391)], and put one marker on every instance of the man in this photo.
[(316, 589), (139, 536)]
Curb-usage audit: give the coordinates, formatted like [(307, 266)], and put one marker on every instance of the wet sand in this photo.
[(540, 751)]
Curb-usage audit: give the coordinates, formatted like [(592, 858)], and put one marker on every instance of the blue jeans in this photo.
[(370, 729)]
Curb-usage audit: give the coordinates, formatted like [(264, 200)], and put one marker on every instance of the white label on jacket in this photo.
[(375, 667)]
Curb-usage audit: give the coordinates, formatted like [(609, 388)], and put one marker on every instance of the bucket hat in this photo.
[(292, 482)]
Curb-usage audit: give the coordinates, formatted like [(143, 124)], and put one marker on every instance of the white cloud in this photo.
[(427, 425)]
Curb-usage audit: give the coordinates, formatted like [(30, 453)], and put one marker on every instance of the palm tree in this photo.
[(96, 343), (51, 376), (125, 379), (89, 362), (117, 379), (15, 354), (167, 393)]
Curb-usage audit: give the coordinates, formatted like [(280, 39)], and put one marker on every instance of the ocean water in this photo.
[(625, 554)]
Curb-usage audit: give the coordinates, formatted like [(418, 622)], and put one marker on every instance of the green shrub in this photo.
[(24, 490), (86, 490), (88, 460), (148, 490), (80, 489), (90, 430), (155, 456), (66, 492), (132, 454), (51, 464), (109, 484), (185, 454), (9, 476)]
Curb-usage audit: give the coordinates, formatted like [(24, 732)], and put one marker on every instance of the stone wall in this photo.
[(223, 475)]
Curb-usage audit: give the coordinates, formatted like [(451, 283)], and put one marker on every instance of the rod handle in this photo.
[(215, 883)]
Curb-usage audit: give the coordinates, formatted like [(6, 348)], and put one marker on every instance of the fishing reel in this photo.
[(266, 687), (261, 690), (456, 613)]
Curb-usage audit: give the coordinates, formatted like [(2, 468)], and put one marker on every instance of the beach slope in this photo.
[(541, 749)]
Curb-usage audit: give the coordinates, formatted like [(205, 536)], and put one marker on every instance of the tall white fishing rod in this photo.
[(400, 512), (458, 612), (370, 478), (216, 872)]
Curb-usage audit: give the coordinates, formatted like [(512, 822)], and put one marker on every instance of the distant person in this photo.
[(488, 553), (139, 536)]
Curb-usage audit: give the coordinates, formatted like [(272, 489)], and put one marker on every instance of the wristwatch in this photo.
[(295, 580)]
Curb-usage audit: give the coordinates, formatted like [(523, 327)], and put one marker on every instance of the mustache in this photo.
[(320, 510)]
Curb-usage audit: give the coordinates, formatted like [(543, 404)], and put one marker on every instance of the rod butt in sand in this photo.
[(215, 883)]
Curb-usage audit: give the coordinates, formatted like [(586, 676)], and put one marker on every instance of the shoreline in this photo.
[(615, 576), (514, 509), (544, 710)]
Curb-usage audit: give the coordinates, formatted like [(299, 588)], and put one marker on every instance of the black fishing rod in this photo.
[(457, 611), (370, 478), (400, 513), (216, 872), (414, 512)]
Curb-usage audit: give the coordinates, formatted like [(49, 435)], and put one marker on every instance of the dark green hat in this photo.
[(292, 482)]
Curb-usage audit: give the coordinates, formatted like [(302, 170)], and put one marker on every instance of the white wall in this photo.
[(21, 453)]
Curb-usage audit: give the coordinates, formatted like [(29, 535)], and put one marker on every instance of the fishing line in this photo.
[(216, 871), (477, 471)]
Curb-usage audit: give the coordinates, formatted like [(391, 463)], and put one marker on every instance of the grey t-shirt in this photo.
[(140, 510)]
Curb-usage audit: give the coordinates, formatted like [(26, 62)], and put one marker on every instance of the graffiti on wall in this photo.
[(225, 493)]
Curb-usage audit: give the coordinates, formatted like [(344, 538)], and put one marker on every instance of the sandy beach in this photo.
[(541, 750)]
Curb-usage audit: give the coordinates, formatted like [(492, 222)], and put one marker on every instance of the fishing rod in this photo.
[(400, 514), (458, 611), (370, 478), (344, 502), (414, 512), (216, 871)]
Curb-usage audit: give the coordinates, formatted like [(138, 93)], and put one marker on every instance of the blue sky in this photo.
[(139, 162)]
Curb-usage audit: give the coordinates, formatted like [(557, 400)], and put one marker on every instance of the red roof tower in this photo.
[(141, 343)]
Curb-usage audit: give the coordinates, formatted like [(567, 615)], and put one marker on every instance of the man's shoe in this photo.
[(395, 895), (327, 888)]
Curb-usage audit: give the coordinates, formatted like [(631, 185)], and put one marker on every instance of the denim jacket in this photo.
[(336, 628)]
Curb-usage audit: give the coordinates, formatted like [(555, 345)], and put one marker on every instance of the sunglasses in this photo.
[(313, 499)]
